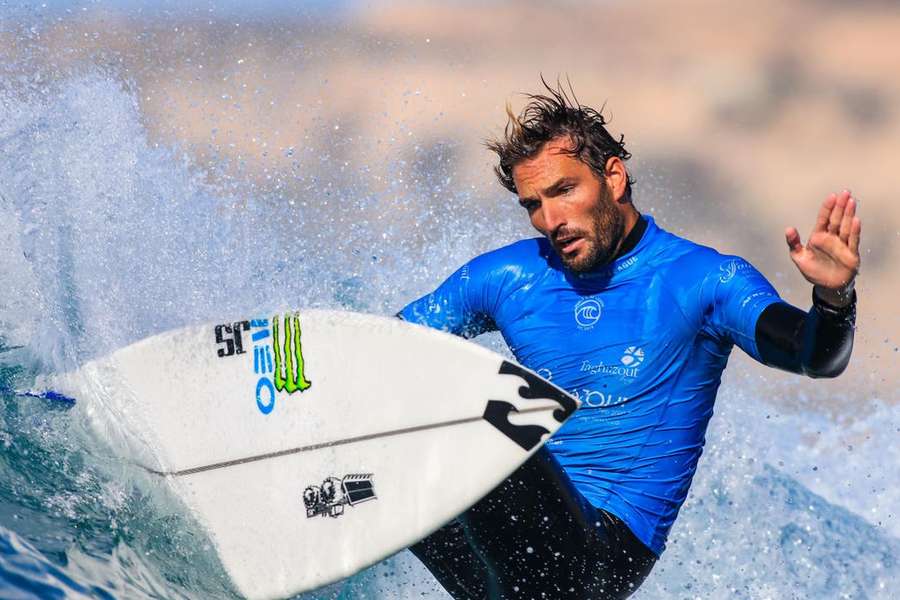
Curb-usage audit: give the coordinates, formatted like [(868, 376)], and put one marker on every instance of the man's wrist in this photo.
[(835, 302), (834, 298)]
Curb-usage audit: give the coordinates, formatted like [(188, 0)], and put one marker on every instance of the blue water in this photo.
[(107, 236)]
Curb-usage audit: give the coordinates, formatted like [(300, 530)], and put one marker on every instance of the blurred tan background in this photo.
[(741, 116)]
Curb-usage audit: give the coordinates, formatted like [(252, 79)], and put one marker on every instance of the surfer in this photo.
[(638, 323)]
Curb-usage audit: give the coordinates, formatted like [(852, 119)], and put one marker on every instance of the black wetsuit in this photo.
[(537, 536)]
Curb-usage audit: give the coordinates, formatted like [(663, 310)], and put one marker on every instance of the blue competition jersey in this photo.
[(641, 342)]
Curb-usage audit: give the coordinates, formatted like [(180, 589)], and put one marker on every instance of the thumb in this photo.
[(792, 237)]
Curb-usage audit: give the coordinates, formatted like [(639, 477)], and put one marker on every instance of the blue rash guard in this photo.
[(641, 342)]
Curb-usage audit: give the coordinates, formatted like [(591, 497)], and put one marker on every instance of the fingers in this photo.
[(825, 213), (853, 241), (837, 212), (847, 220), (840, 253), (792, 237)]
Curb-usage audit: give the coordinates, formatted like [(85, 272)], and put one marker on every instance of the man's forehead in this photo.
[(553, 160), (559, 146)]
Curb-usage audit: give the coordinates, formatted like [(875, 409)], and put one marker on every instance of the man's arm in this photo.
[(463, 304), (818, 343)]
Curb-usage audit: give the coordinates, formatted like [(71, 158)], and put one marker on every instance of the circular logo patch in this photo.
[(587, 312)]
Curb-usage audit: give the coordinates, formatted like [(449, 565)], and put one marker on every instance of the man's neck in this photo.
[(634, 234)]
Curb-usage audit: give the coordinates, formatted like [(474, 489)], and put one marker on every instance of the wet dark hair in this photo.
[(550, 116)]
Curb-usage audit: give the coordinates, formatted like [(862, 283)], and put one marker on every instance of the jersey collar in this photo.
[(633, 237)]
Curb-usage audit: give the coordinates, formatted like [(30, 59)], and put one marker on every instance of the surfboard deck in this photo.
[(313, 444)]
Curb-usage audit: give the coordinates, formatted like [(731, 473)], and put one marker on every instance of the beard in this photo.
[(602, 238)]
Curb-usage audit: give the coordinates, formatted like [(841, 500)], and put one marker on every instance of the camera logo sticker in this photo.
[(330, 498)]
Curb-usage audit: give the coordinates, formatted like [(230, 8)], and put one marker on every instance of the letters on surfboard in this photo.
[(287, 373)]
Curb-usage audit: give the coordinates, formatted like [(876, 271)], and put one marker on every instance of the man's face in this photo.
[(571, 206)]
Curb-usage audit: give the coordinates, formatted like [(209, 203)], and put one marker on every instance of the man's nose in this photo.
[(553, 215)]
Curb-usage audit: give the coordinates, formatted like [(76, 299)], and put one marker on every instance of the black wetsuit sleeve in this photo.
[(817, 343)]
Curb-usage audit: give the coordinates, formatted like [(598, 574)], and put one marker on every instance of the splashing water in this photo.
[(107, 238)]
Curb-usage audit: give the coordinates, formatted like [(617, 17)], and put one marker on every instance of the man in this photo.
[(638, 323)]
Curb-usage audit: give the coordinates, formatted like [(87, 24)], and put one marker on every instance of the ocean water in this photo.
[(107, 236)]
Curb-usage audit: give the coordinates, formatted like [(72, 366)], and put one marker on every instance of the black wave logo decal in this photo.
[(527, 436)]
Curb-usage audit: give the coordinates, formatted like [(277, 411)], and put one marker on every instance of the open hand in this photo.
[(830, 258)]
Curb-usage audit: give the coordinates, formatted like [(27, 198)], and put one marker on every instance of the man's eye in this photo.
[(529, 205), (567, 189)]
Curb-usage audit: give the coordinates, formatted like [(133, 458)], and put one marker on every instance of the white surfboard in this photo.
[(311, 445)]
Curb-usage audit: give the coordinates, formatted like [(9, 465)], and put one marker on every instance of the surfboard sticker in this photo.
[(329, 498), (300, 437), (497, 412), (277, 354)]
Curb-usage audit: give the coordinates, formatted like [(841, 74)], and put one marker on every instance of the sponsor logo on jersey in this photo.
[(756, 295), (628, 263), (588, 312), (598, 399), (632, 357), (730, 268), (330, 498), (497, 412), (629, 363)]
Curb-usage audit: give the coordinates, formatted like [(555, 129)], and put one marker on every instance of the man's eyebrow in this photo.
[(554, 188)]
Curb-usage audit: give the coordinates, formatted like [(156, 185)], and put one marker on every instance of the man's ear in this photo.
[(617, 178)]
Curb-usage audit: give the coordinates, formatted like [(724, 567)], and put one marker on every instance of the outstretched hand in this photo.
[(830, 258)]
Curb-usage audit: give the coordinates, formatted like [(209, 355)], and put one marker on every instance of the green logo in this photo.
[(289, 376)]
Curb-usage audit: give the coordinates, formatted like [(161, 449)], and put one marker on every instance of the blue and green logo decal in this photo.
[(282, 339)]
